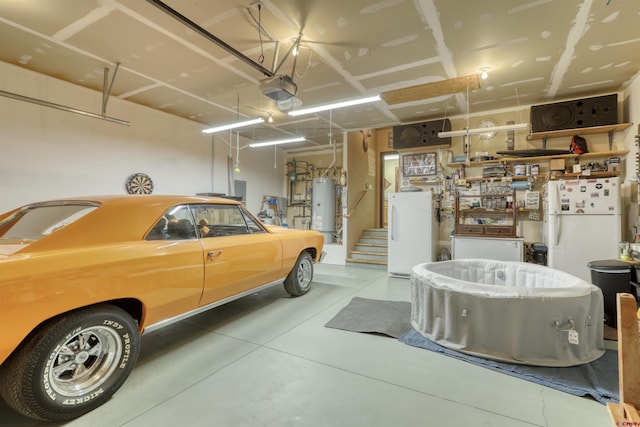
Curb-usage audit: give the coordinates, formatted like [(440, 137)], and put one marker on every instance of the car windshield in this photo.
[(36, 221)]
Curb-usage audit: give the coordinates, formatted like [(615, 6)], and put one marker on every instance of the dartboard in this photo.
[(139, 183)]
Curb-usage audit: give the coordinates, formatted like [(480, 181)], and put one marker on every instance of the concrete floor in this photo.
[(268, 360)]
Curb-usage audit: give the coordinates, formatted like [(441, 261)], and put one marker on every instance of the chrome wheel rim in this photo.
[(85, 361), (305, 273)]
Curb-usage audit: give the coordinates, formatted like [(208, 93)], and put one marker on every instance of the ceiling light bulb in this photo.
[(484, 73), (270, 119), (295, 51)]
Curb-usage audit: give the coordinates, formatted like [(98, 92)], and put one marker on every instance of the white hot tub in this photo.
[(510, 311)]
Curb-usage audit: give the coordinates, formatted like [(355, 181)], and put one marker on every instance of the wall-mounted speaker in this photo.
[(578, 113), (418, 135)]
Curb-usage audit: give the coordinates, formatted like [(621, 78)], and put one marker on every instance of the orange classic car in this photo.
[(82, 279)]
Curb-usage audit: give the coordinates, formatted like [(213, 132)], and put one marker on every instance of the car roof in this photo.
[(118, 219), (146, 199)]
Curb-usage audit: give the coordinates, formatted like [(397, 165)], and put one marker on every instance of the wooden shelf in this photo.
[(603, 174), (616, 153), (537, 158), (497, 178), (504, 159), (486, 210), (507, 216), (578, 131), (471, 164)]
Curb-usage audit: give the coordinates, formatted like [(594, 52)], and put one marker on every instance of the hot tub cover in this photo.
[(510, 311)]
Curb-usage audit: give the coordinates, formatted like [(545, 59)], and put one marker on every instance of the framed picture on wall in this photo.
[(419, 164)]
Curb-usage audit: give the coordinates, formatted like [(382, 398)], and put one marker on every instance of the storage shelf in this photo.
[(603, 174), (498, 178), (581, 131), (537, 158), (485, 210), (483, 162), (467, 217), (608, 129), (605, 154), (615, 153)]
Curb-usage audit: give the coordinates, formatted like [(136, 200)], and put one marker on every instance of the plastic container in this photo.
[(612, 277), (539, 253)]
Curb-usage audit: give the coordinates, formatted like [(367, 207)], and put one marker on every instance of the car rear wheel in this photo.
[(72, 364), (299, 280)]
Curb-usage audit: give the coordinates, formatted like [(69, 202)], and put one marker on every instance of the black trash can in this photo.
[(539, 253), (613, 277)]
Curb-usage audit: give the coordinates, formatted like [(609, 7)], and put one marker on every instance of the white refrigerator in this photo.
[(582, 223), (412, 232)]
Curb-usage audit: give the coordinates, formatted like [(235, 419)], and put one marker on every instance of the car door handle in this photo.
[(212, 254)]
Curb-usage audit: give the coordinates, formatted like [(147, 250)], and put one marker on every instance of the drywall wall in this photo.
[(631, 105), (48, 153), (362, 186)]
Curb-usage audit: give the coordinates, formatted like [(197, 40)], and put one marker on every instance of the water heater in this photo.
[(323, 207)]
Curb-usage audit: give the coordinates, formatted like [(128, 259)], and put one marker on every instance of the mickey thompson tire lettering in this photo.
[(72, 364), (84, 399)]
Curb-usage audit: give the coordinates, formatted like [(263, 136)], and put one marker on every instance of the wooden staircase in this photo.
[(371, 250)]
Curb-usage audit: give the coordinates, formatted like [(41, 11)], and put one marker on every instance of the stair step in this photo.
[(371, 250), (371, 247), (377, 232), (373, 239), (374, 265), (370, 256), (367, 261)]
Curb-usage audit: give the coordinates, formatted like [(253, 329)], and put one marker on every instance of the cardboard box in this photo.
[(613, 164), (556, 165)]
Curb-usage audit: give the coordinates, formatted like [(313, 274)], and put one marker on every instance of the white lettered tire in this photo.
[(71, 364), (298, 282)]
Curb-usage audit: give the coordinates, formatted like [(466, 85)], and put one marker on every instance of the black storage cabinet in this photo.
[(613, 277)]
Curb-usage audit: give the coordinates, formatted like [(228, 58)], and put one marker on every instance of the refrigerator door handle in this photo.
[(393, 207), (558, 209)]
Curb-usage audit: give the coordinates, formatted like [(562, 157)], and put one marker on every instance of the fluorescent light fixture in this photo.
[(477, 131), (277, 142), (234, 125), (334, 106)]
